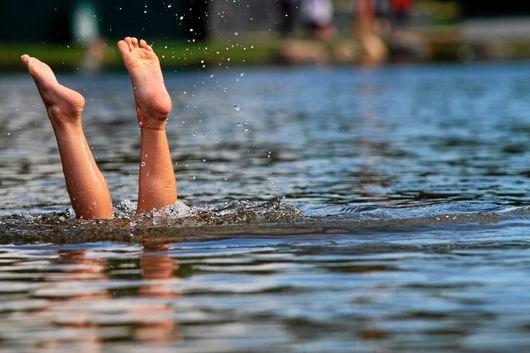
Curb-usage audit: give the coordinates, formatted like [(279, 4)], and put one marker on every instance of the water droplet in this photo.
[(237, 107), (169, 6), (143, 164)]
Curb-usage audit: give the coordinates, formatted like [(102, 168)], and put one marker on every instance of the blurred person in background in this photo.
[(401, 11), (406, 43), (318, 18), (86, 32), (368, 32)]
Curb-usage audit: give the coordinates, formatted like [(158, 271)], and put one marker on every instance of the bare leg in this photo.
[(86, 186), (158, 187)]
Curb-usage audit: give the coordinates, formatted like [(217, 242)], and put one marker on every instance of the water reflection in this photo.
[(442, 290), (371, 183), (70, 289), (158, 271), (93, 299)]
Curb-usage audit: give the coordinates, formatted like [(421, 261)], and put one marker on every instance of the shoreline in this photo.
[(220, 54)]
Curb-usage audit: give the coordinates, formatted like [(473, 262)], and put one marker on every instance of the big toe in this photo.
[(123, 47), (40, 71), (25, 59)]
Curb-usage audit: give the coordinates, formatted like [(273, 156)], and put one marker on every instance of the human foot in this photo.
[(153, 103), (64, 105)]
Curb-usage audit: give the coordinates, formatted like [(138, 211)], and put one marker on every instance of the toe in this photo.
[(30, 64), (123, 47), (128, 40), (134, 41), (25, 58), (34, 61), (40, 71), (143, 44)]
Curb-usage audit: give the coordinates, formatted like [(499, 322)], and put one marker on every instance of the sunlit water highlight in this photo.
[(333, 210)]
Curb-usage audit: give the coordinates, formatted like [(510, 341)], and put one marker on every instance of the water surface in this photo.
[(331, 210)]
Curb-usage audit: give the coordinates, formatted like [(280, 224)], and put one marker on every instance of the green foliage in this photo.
[(171, 54)]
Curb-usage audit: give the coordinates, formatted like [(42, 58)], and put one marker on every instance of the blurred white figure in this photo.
[(318, 17), (85, 23), (86, 32)]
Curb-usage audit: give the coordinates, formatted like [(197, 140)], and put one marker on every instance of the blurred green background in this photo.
[(195, 33)]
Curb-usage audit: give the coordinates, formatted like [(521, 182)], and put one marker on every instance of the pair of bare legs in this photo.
[(86, 185)]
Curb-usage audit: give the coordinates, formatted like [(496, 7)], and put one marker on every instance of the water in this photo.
[(335, 210)]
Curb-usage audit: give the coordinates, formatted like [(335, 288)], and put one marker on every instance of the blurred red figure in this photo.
[(401, 10), (401, 5)]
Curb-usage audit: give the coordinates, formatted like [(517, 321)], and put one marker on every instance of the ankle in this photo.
[(147, 121), (151, 127), (61, 116), (66, 122)]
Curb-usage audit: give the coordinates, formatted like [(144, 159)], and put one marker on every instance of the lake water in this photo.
[(330, 210)]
